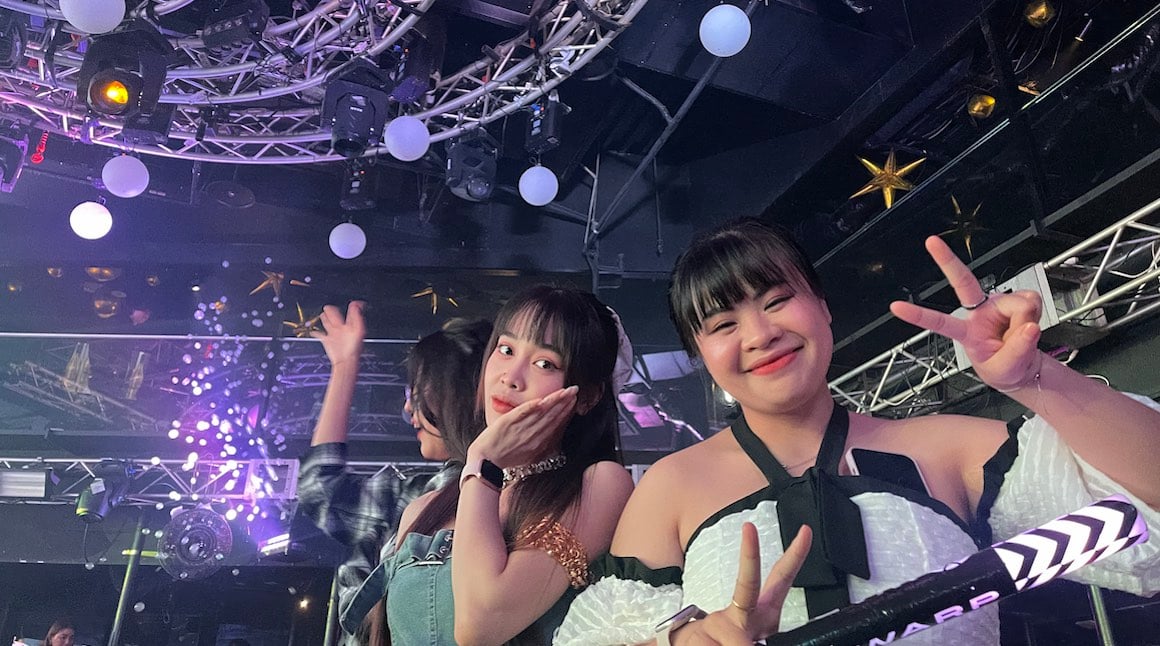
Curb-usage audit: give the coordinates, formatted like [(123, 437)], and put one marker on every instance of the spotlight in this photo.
[(12, 151), (471, 165), (1039, 13), (421, 59), (355, 105), (981, 106), (105, 491), (122, 72), (13, 36)]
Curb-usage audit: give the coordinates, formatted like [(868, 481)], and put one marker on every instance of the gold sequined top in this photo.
[(561, 544)]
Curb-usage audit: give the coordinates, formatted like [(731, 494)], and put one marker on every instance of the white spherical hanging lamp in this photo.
[(90, 220), (348, 240), (125, 176), (407, 138), (93, 16), (725, 30), (538, 185)]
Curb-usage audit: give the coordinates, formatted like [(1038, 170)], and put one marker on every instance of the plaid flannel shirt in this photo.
[(357, 510)]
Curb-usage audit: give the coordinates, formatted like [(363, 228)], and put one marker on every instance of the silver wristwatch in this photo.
[(665, 629)]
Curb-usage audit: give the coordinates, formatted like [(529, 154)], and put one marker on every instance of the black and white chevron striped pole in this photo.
[(1024, 561)]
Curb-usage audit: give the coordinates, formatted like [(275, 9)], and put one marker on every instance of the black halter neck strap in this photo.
[(829, 453), (816, 498)]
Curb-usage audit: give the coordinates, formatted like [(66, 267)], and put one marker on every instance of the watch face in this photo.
[(490, 472)]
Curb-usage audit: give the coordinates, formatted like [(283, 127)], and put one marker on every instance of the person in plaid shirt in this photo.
[(363, 512)]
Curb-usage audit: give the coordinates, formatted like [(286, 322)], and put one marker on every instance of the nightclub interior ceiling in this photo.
[(1019, 131), (250, 161)]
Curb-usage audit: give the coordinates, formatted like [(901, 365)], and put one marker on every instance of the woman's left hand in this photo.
[(1001, 331), (523, 434)]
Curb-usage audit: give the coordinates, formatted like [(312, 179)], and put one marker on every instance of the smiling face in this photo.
[(770, 351), (520, 369)]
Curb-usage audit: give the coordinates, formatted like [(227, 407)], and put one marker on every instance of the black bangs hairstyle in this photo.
[(725, 265), (443, 370), (582, 330)]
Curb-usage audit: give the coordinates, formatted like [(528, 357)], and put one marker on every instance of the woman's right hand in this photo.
[(756, 609), (523, 434), (342, 336)]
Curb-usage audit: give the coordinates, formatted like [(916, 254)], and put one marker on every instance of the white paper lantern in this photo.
[(348, 240), (125, 176), (93, 16), (407, 138), (538, 185), (90, 220), (725, 30)]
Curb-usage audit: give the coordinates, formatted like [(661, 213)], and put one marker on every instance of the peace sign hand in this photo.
[(755, 611), (1001, 331)]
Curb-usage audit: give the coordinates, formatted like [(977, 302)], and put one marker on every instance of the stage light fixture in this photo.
[(355, 106), (471, 165), (1038, 13), (13, 37), (122, 72), (420, 59), (981, 106), (13, 148), (236, 22), (106, 490), (28, 483)]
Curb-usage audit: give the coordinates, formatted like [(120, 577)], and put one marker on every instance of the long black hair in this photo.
[(443, 370), (726, 264)]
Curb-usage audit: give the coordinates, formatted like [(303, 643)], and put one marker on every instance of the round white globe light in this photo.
[(725, 30), (407, 138), (348, 240), (538, 185), (90, 220), (125, 176), (93, 16)]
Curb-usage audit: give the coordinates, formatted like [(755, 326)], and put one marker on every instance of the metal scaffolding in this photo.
[(1108, 281)]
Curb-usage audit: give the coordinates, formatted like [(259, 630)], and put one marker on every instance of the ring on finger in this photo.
[(977, 305), (746, 610)]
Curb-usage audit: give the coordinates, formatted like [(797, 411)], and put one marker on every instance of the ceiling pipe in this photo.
[(606, 221)]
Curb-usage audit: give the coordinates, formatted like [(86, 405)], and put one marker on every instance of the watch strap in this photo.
[(487, 472)]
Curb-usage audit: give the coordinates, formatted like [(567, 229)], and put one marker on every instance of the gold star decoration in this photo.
[(274, 280), (430, 292), (966, 226), (887, 178), (303, 326)]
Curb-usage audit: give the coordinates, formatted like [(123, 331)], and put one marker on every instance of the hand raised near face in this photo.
[(755, 609), (524, 433), (1001, 331), (342, 336)]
